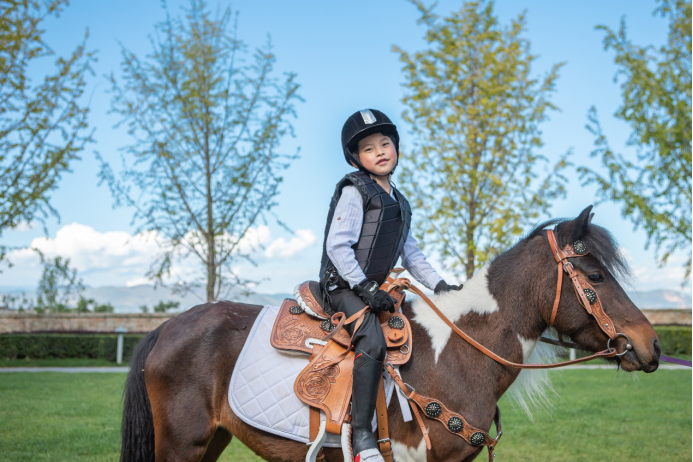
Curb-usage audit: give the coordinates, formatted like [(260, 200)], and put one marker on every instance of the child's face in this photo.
[(377, 154)]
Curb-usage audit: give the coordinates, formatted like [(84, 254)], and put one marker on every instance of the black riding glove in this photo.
[(443, 287), (377, 299)]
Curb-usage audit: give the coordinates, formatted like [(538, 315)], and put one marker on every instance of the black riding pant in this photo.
[(369, 338)]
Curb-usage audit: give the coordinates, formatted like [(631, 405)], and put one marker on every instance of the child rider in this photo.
[(367, 231)]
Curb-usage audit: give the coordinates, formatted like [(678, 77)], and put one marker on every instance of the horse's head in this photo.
[(601, 267)]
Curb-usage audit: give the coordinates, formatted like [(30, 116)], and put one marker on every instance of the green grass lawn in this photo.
[(599, 415)]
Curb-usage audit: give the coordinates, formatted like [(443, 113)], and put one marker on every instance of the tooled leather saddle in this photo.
[(304, 326)]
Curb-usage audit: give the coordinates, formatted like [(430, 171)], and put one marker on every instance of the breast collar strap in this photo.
[(583, 289)]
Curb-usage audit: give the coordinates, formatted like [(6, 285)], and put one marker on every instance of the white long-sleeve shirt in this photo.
[(345, 230)]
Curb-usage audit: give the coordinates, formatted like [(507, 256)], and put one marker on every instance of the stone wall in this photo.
[(668, 317), (13, 322)]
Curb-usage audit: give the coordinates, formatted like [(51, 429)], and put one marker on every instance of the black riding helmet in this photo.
[(362, 124)]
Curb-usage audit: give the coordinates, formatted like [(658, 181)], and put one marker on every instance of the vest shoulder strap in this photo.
[(364, 184)]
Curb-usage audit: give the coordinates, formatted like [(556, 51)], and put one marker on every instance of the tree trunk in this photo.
[(211, 269), (469, 266), (211, 245)]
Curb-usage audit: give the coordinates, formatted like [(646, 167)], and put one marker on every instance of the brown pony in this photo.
[(176, 406)]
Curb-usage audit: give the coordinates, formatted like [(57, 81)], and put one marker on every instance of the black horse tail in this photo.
[(137, 430)]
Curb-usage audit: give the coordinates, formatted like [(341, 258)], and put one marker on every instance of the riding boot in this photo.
[(367, 375)]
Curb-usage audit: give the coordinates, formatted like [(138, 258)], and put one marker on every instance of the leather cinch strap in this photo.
[(384, 445)]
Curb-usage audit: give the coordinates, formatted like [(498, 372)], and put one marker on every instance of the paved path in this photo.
[(125, 369)]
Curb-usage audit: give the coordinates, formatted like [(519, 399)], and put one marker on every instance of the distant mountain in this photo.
[(130, 299)]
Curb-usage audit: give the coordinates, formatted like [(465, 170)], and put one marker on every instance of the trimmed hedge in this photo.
[(675, 340), (45, 346)]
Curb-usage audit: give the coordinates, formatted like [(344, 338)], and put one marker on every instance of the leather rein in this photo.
[(585, 293)]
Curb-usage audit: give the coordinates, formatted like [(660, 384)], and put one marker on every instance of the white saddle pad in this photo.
[(261, 392)]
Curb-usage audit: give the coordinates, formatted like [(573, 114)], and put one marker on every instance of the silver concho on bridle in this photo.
[(591, 295), (579, 247)]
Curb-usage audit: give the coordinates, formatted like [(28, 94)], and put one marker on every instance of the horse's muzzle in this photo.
[(643, 357)]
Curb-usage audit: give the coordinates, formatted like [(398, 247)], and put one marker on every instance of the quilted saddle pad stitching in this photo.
[(255, 419)]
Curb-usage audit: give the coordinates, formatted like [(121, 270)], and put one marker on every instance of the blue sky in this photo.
[(342, 54)]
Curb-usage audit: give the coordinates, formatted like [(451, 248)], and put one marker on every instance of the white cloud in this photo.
[(138, 282), (281, 248), (23, 226), (254, 238), (89, 249), (120, 258)]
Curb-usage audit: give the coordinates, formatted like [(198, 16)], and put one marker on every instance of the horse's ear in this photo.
[(578, 228)]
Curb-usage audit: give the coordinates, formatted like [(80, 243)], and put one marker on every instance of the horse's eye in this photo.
[(596, 277)]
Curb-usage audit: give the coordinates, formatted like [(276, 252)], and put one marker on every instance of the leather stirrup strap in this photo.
[(342, 320), (314, 420), (383, 431), (358, 317)]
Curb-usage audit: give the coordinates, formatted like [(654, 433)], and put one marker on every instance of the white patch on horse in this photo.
[(474, 297), (532, 389), (527, 347), (404, 453)]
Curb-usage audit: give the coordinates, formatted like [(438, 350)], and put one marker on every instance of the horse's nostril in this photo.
[(657, 348)]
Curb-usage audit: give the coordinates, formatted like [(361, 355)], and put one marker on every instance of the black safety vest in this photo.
[(385, 228)]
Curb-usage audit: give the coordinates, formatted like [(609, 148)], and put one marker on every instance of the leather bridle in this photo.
[(586, 294)]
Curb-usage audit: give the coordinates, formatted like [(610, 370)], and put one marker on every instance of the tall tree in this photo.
[(654, 185), (474, 112), (206, 159), (59, 286), (43, 125)]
